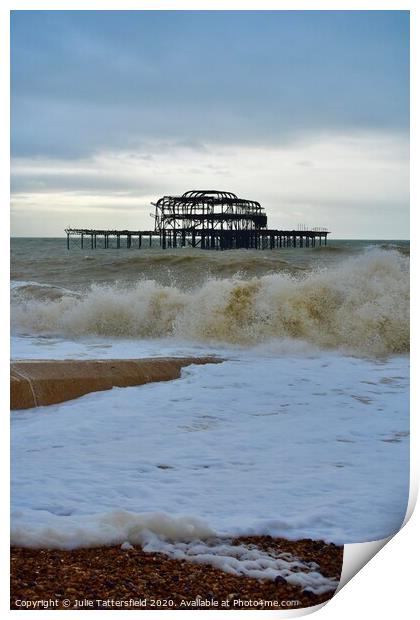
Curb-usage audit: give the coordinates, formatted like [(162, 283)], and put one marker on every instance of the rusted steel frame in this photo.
[(195, 207)]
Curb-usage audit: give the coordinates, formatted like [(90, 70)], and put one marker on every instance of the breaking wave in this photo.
[(360, 305)]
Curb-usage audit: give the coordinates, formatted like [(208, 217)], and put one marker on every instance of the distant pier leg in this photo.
[(205, 237)]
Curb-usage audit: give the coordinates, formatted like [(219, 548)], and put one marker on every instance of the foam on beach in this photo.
[(180, 538), (317, 449)]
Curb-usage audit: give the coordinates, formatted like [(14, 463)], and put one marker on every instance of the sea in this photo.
[(301, 432)]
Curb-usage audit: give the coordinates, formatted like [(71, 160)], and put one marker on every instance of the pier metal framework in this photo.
[(209, 210), (208, 219)]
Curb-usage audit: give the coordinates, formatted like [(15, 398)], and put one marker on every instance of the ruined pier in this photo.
[(206, 219)]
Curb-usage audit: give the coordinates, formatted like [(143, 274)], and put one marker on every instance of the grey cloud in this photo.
[(83, 81), (82, 183)]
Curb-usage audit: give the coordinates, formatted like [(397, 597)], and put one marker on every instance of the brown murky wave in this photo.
[(360, 304)]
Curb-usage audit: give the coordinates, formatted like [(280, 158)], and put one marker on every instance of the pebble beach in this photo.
[(109, 578)]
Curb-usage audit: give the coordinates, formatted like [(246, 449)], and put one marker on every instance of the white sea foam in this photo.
[(110, 528), (360, 305), (292, 447), (180, 538), (246, 560)]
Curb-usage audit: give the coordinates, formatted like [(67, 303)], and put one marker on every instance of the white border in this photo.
[(387, 586)]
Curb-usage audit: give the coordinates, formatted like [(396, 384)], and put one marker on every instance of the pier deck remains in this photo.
[(205, 219)]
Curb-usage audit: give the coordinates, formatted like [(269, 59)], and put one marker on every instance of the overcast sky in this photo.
[(304, 111)]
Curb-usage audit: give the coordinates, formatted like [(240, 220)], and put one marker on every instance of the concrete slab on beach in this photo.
[(45, 382)]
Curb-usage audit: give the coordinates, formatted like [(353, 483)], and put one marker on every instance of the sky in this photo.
[(305, 111)]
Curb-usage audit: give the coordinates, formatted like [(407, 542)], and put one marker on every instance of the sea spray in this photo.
[(360, 305)]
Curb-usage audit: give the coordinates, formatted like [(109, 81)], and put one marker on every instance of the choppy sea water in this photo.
[(348, 295), (302, 432)]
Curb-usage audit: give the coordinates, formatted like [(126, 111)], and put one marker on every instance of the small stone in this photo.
[(308, 593), (280, 581), (126, 546)]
